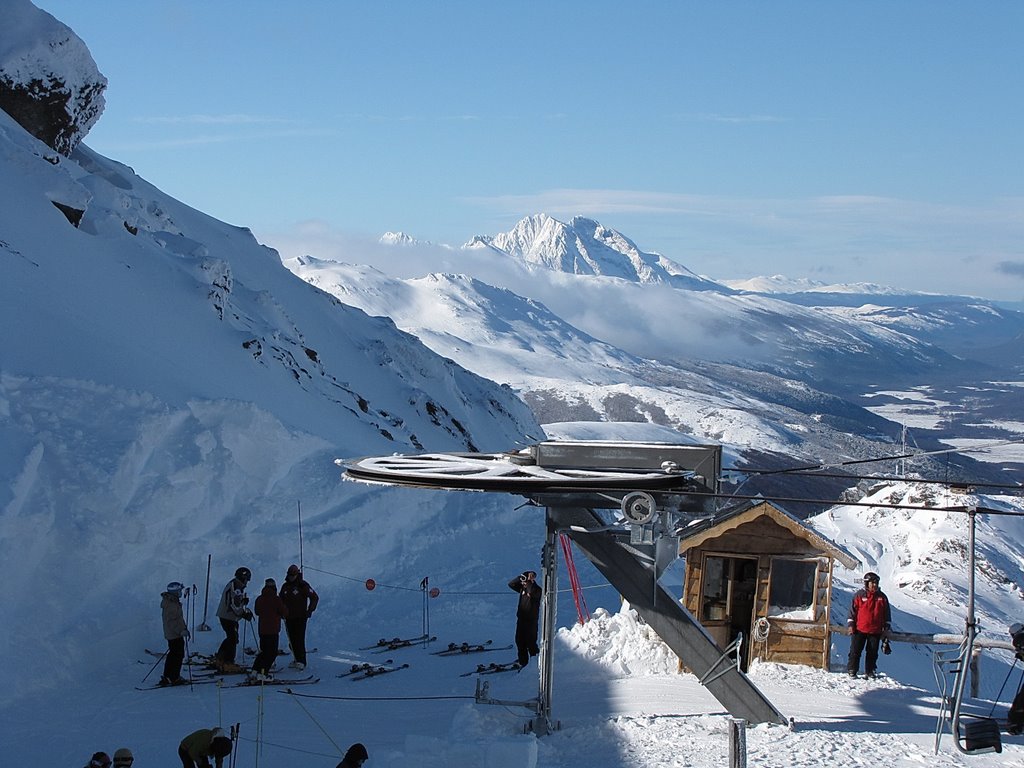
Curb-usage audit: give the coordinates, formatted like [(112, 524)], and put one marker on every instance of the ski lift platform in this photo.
[(623, 504)]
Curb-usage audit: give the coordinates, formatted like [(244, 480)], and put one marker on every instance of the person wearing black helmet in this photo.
[(870, 618), (196, 749), (99, 760), (355, 757), (175, 632), (231, 610)]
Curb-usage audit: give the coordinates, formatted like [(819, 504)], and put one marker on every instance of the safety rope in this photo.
[(317, 724)]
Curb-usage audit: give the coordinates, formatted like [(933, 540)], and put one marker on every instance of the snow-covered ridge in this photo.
[(585, 247), (780, 284)]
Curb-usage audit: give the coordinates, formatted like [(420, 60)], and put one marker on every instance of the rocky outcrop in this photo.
[(49, 82)]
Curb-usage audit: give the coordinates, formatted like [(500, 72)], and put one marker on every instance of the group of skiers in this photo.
[(292, 605)]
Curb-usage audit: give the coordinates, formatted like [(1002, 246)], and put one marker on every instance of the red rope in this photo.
[(577, 591)]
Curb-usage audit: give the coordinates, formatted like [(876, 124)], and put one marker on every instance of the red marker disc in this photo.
[(434, 592), (371, 584)]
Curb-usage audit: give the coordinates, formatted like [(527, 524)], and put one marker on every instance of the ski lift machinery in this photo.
[(623, 504), (978, 734)]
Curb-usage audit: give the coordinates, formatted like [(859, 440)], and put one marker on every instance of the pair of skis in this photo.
[(459, 649), (366, 669), (493, 669), (384, 645), (247, 683)]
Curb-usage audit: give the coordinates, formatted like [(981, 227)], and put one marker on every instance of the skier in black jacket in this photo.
[(527, 614)]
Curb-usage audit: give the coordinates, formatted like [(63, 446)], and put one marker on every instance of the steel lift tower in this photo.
[(624, 505)]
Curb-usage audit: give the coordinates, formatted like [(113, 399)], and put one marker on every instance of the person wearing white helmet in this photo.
[(175, 632), (870, 618)]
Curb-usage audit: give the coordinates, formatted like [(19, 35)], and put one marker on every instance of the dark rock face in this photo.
[(50, 111), (49, 82)]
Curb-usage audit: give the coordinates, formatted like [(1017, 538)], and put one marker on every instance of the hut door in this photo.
[(727, 600)]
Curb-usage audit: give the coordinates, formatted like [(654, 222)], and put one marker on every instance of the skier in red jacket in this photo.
[(869, 619), (271, 611)]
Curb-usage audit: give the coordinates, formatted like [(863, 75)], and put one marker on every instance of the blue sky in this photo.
[(873, 141)]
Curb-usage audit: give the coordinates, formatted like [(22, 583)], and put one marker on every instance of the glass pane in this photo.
[(792, 589), (715, 589)]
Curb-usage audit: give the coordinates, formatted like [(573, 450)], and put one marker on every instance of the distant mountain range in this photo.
[(609, 332)]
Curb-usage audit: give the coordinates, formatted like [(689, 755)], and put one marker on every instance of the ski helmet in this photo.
[(176, 588), (293, 570), (99, 760), (871, 576), (220, 744), (243, 574), (123, 757), (356, 752)]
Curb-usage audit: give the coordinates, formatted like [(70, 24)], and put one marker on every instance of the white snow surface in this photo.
[(141, 433)]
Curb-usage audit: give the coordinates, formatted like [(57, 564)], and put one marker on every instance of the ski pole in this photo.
[(298, 505), (204, 627), (188, 654), (154, 666)]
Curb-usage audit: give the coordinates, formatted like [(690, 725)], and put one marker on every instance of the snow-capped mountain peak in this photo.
[(585, 247)]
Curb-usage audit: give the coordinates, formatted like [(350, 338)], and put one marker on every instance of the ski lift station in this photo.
[(625, 506)]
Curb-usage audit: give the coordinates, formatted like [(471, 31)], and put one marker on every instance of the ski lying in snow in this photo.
[(376, 670), (250, 651), (383, 645), (493, 669), (454, 649), (252, 683), (186, 684), (195, 674), (357, 668)]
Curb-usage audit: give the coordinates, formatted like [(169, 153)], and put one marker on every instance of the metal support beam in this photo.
[(637, 583), (549, 611)]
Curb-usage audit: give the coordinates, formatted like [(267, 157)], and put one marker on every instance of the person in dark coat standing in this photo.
[(527, 614), (270, 609), (355, 757), (301, 600), (870, 618), (175, 632)]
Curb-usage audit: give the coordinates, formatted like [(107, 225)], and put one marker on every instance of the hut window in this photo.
[(792, 589)]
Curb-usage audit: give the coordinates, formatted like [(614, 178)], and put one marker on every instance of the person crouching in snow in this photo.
[(196, 749), (869, 619), (176, 633), (270, 609)]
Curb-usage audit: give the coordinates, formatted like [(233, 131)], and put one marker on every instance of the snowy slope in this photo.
[(168, 391)]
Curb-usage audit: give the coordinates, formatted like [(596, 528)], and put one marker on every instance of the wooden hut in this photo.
[(759, 571)]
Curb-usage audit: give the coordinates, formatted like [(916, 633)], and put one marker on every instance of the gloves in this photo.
[(886, 648), (887, 628), (247, 615), (309, 614), (188, 635), (245, 599)]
